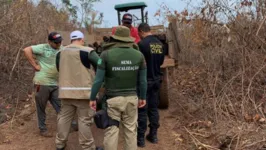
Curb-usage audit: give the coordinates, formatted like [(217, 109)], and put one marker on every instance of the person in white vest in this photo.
[(76, 64)]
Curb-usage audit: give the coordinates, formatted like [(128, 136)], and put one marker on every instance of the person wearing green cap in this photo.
[(121, 68)]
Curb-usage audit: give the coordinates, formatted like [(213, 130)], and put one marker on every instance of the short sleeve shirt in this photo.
[(153, 51), (45, 55)]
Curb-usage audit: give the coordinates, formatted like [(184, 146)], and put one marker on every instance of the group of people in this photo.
[(71, 76)]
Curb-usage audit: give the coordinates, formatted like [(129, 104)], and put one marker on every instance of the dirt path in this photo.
[(24, 134)]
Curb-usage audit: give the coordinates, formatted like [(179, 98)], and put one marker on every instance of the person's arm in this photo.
[(142, 83), (28, 52), (97, 83), (93, 58), (57, 60), (100, 74)]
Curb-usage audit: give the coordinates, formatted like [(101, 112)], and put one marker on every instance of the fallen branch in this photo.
[(16, 61), (197, 142), (260, 25), (238, 137), (12, 120), (252, 144), (249, 87), (202, 135)]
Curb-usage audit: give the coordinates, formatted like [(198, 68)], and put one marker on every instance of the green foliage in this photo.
[(72, 9), (82, 10), (47, 4)]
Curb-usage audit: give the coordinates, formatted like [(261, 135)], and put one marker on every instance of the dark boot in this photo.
[(60, 148), (46, 134), (141, 140), (99, 148), (152, 136)]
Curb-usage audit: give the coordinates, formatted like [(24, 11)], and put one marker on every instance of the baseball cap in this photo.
[(127, 18), (76, 35), (55, 37)]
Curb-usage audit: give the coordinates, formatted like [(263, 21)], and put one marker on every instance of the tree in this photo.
[(83, 9), (71, 9), (5, 4), (90, 22)]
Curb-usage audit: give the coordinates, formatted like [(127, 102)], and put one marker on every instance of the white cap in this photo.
[(76, 35)]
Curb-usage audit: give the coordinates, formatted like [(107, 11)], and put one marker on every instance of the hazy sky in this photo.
[(110, 14)]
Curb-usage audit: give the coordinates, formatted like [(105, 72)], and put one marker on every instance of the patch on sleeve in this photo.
[(99, 61)]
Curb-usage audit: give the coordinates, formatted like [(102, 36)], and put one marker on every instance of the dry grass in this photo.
[(221, 79), (219, 87), (23, 23)]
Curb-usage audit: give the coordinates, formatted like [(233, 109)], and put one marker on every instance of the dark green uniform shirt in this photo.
[(121, 68)]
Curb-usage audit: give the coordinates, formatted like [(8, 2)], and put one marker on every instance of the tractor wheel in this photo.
[(163, 94)]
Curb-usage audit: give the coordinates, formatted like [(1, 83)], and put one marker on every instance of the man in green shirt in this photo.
[(46, 76), (120, 67)]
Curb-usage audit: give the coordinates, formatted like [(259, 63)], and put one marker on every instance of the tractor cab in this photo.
[(132, 6)]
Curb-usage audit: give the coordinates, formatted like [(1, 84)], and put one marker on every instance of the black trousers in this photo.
[(150, 110)]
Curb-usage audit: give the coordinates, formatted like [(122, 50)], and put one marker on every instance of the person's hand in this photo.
[(93, 105), (142, 103), (37, 67)]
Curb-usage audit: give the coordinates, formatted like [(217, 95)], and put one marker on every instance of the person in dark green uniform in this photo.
[(121, 68)]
